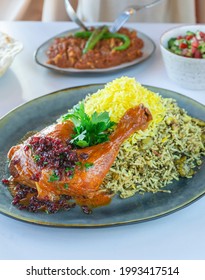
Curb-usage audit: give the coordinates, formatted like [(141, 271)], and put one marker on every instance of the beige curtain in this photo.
[(21, 9), (165, 11), (200, 11), (181, 11)]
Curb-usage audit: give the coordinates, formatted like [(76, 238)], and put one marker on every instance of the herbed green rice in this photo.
[(172, 146), (148, 162)]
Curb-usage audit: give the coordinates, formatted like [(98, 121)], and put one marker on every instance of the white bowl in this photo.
[(9, 48), (186, 72)]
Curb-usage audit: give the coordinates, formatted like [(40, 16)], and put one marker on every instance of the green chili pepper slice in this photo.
[(121, 36), (95, 37), (83, 34)]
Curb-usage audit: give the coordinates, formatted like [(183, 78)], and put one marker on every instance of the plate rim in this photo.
[(103, 225)]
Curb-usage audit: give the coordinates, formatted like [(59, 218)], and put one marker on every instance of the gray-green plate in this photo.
[(41, 112)]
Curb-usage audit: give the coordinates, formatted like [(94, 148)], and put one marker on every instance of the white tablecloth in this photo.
[(176, 236)]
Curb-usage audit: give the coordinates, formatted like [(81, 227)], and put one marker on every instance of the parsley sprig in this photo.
[(88, 130), (54, 177)]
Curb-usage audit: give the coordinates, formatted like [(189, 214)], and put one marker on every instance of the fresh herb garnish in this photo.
[(70, 172), (88, 130), (54, 177), (88, 165), (79, 164), (85, 166), (68, 168), (66, 186), (36, 157)]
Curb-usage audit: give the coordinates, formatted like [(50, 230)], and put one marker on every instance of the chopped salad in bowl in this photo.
[(190, 45), (183, 53)]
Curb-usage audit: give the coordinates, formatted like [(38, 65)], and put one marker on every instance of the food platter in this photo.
[(40, 112), (41, 57)]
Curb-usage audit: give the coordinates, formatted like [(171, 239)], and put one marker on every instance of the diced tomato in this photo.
[(197, 54), (193, 49), (202, 34), (195, 42), (189, 37), (183, 45), (179, 37)]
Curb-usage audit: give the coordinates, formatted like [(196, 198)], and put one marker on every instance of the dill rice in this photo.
[(171, 147)]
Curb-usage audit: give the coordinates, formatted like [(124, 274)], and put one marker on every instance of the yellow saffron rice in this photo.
[(120, 95)]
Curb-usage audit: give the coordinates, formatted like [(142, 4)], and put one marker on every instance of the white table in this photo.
[(176, 236)]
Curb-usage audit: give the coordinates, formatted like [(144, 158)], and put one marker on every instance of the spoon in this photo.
[(72, 14)]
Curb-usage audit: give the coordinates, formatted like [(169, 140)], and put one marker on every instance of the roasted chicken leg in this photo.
[(89, 165)]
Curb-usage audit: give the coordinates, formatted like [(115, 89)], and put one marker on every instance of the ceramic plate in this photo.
[(41, 112), (41, 57)]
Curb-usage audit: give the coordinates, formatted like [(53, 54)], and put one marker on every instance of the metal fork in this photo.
[(124, 16)]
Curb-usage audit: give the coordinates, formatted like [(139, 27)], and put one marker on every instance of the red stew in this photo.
[(66, 52)]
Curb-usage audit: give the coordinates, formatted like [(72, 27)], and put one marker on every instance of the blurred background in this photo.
[(179, 11)]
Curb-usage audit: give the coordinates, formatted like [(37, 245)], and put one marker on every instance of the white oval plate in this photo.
[(41, 57)]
